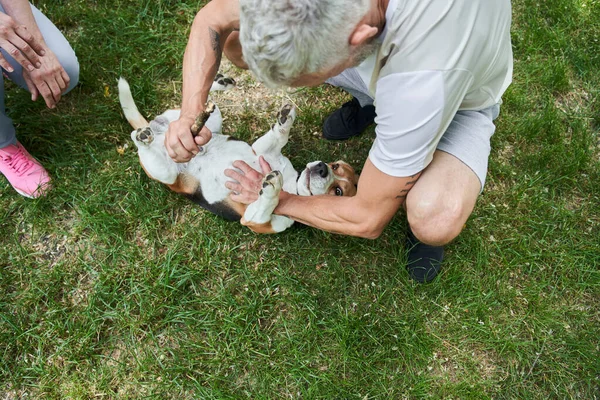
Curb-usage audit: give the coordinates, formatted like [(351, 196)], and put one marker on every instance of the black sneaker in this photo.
[(424, 261), (349, 120)]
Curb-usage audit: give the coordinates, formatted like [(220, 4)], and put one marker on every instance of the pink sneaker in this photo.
[(24, 172)]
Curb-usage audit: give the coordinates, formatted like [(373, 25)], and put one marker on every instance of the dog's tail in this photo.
[(133, 115)]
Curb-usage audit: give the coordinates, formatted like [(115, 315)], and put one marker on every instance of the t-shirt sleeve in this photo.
[(413, 111)]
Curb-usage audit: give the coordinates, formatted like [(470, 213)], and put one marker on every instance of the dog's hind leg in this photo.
[(153, 156), (259, 215), (273, 141)]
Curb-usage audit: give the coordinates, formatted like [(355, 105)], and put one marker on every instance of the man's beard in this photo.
[(364, 51)]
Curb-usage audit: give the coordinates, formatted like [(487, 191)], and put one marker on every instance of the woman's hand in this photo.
[(50, 80), (17, 41)]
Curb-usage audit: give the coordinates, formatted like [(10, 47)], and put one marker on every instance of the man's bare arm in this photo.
[(365, 215), (202, 57), (210, 29)]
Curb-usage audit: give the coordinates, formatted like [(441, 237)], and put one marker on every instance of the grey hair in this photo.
[(283, 39)]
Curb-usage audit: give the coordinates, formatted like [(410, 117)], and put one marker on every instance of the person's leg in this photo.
[(443, 198), (351, 82), (25, 173), (354, 116), (59, 46), (7, 129)]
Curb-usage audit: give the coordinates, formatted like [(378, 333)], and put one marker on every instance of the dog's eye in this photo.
[(335, 166), (339, 191)]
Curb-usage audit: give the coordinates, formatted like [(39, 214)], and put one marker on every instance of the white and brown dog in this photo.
[(202, 179)]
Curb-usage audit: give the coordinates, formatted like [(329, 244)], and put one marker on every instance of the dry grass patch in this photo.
[(453, 364)]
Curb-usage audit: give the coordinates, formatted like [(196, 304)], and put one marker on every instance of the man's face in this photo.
[(357, 56), (317, 78)]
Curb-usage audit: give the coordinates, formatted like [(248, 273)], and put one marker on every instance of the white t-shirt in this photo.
[(436, 57)]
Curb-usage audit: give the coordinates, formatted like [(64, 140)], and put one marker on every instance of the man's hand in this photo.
[(248, 182), (50, 80), (180, 143), (17, 41)]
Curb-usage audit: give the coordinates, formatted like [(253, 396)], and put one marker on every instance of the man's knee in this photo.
[(436, 220)]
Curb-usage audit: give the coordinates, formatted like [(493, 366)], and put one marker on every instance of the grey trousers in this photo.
[(63, 51)]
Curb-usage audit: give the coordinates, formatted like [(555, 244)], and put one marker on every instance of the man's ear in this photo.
[(362, 34)]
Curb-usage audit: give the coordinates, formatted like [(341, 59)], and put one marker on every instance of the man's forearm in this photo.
[(343, 215), (203, 55), (200, 65)]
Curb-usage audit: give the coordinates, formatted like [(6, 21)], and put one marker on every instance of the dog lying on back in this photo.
[(202, 179)]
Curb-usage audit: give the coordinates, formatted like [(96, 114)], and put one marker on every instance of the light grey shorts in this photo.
[(467, 137)]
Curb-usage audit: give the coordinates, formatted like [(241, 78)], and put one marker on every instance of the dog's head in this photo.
[(336, 178)]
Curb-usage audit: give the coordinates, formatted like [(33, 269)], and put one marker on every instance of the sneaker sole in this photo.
[(24, 194)]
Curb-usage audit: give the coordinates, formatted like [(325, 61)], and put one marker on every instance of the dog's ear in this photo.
[(159, 125)]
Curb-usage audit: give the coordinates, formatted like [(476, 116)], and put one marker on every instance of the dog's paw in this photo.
[(285, 119), (144, 135), (272, 184), (286, 115), (222, 83), (261, 211)]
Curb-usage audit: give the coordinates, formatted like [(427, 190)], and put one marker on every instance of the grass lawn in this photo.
[(114, 287)]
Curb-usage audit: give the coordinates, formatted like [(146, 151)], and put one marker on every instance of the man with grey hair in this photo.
[(433, 72)]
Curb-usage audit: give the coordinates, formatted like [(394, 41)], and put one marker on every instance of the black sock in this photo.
[(424, 261)]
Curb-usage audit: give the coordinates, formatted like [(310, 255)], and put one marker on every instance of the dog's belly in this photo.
[(209, 166)]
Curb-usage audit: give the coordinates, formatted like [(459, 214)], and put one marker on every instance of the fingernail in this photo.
[(43, 52), (30, 67), (38, 64)]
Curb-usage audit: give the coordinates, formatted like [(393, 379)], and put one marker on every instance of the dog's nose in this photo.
[(322, 169)]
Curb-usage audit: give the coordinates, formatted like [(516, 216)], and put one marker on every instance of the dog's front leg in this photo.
[(259, 215)]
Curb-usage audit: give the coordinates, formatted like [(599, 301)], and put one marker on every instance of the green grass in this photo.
[(113, 287)]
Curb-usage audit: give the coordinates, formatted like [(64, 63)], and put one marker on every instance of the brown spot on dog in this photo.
[(185, 184), (258, 228), (239, 208)]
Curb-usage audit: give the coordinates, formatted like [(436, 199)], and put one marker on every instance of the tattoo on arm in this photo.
[(403, 194), (215, 41), (408, 186)]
